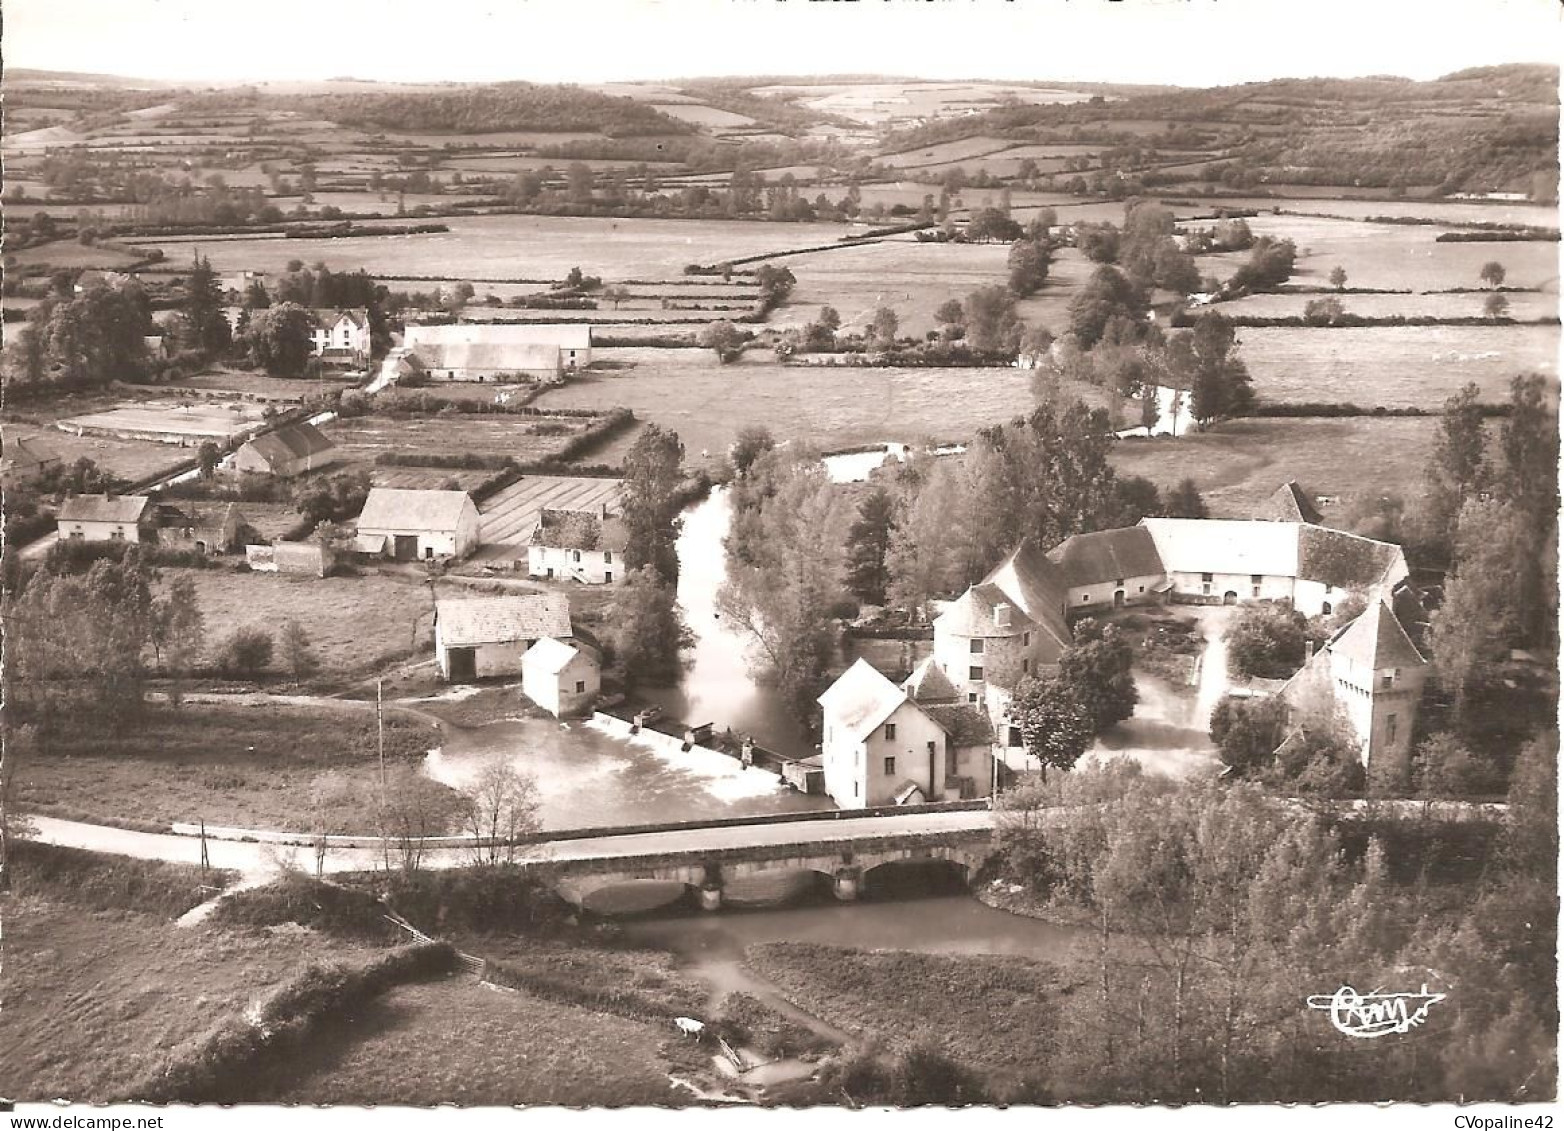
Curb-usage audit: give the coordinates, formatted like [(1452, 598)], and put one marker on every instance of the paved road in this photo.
[(253, 858)]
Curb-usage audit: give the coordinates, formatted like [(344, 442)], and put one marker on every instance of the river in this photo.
[(589, 778)]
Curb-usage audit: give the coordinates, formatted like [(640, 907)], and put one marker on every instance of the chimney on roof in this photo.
[(602, 511), (1001, 615)]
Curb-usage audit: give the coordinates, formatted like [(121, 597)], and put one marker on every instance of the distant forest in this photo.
[(466, 110)]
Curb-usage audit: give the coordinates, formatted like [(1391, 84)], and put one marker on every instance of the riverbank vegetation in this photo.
[(1219, 915)]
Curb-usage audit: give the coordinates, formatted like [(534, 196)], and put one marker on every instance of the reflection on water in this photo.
[(717, 686)]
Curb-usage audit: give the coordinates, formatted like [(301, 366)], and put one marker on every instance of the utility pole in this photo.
[(380, 735)]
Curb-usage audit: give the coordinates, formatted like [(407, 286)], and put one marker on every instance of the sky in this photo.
[(1182, 42)]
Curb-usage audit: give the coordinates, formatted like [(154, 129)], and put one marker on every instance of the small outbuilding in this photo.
[(207, 528), (561, 678)]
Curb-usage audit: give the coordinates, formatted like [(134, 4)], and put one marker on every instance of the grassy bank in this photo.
[(244, 766), (997, 1015), (94, 998)]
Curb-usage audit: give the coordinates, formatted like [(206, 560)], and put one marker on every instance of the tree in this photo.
[(1096, 669), (210, 456), (1107, 296), (203, 308), (1247, 731), (178, 632), (649, 630), (653, 471), (245, 652), (991, 322), (1323, 311), (1492, 273), (298, 657), (280, 339), (499, 808), (1028, 263), (951, 317), (1444, 769), (413, 807), (1207, 363), (868, 542), (1495, 306), (882, 327), (752, 442), (1185, 501), (724, 339), (1055, 726), (1457, 468), (617, 294), (255, 296), (1267, 641), (1338, 277)]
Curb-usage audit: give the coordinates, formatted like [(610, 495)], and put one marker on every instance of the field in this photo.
[(527, 247), (1237, 465), (1392, 256), (507, 519), (354, 623), (707, 403), (69, 253), (261, 385), (1394, 366), (129, 459), (1524, 305), (457, 1041), (228, 765), (95, 999), (183, 423), (525, 438)]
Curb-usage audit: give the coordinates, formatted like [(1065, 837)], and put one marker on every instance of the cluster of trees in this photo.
[(787, 556), (79, 341), (1112, 343), (1498, 523), (649, 631), (1219, 914), (1270, 264), (1146, 249)]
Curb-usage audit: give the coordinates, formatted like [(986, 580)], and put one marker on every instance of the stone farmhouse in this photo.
[(579, 546), (884, 744), (106, 518), (341, 337), (1016, 622), (287, 451), (25, 459), (413, 525)]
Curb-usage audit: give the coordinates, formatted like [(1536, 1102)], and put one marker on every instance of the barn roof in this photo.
[(23, 454), (396, 508), (1034, 583), (328, 319), (502, 620), (1288, 503), (1106, 555), (861, 699), (565, 335), (1341, 559), (290, 442), (203, 516), (550, 655), (1224, 545), (103, 508)]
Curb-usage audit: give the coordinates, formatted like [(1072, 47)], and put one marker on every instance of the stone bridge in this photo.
[(844, 849)]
